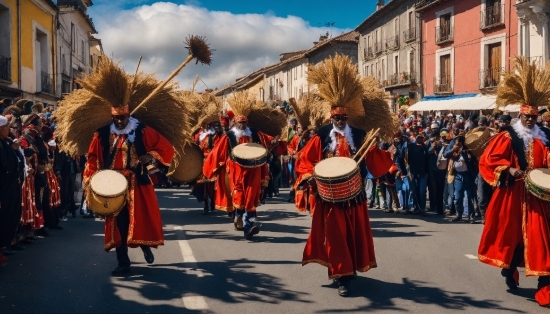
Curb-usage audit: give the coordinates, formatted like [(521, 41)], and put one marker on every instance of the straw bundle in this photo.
[(302, 111), (527, 84), (269, 121), (85, 110), (210, 112), (21, 103), (338, 83), (242, 103), (377, 111)]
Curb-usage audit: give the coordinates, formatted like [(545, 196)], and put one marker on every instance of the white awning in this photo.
[(479, 102)]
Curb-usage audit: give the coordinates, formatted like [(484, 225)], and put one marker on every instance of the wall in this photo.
[(466, 49)]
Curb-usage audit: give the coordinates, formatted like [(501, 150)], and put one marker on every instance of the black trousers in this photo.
[(10, 212), (123, 224), (67, 185), (437, 184), (484, 194)]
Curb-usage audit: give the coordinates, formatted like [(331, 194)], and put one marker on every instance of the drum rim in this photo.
[(256, 162), (355, 169), (108, 196), (334, 179), (535, 189)]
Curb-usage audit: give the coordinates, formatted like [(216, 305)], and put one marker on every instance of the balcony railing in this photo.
[(392, 42), (443, 34), (443, 84), (368, 54), (489, 78), (398, 79), (409, 34), (46, 83), (77, 4), (378, 47), (491, 17), (5, 69)]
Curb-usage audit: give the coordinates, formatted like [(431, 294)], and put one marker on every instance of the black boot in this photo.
[(344, 286)]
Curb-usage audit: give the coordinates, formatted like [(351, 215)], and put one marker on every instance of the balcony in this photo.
[(489, 78), (5, 69), (378, 47), (367, 53), (400, 79), (46, 83), (392, 43), (77, 4), (492, 17), (443, 85), (443, 34), (409, 34)]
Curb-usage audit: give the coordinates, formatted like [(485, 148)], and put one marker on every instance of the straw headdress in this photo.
[(210, 110), (526, 84), (339, 85), (13, 110), (85, 110), (260, 117), (37, 107)]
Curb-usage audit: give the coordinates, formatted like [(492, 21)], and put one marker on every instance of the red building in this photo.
[(466, 44)]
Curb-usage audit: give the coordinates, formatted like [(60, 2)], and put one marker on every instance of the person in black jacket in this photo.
[(436, 176), (465, 170), (418, 173), (10, 188), (66, 168)]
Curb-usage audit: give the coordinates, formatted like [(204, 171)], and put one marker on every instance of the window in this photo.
[(383, 69), (412, 68), (82, 52), (411, 20), (396, 65), (396, 27)]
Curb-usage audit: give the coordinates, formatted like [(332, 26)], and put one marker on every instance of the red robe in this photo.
[(514, 215), (245, 183), (340, 239), (145, 221), (211, 185)]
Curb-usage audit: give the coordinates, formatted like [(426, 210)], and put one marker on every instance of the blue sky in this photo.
[(345, 13), (246, 35)]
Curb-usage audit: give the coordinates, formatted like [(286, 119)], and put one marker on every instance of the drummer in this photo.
[(246, 183), (516, 225), (139, 222), (340, 237)]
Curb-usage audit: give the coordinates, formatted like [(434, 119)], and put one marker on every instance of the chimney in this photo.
[(379, 5)]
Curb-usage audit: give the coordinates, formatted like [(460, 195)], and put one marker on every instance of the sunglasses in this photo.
[(340, 118)]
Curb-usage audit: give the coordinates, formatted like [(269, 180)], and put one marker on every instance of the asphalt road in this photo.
[(425, 265)]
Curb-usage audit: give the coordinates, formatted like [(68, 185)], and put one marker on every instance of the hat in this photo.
[(483, 120), (28, 119), (294, 120), (230, 114), (340, 110), (3, 121), (241, 118), (505, 117), (120, 111)]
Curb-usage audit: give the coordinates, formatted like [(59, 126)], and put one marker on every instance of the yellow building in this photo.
[(28, 49)]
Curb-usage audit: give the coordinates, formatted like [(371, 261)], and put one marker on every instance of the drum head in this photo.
[(540, 177), (108, 183), (249, 151), (188, 165), (335, 167)]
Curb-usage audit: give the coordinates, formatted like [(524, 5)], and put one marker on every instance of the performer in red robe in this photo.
[(340, 237), (517, 224), (245, 183), (205, 188), (139, 223)]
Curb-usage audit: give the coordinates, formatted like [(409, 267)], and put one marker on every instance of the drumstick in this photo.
[(368, 139), (365, 153)]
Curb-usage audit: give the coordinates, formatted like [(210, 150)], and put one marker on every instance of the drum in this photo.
[(338, 179), (187, 166), (249, 155), (476, 140), (537, 183), (107, 192)]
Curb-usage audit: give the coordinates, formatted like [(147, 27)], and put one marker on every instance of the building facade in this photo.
[(534, 29), (389, 49), (466, 45), (27, 50), (74, 32)]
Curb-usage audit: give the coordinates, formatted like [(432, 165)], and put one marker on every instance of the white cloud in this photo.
[(242, 42)]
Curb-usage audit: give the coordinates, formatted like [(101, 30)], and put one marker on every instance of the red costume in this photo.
[(145, 227), (245, 183), (210, 187), (340, 238), (515, 218)]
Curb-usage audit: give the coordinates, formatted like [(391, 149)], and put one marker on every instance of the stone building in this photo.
[(389, 49), (534, 29)]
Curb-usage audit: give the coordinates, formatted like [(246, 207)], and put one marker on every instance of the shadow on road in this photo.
[(230, 281), (382, 296)]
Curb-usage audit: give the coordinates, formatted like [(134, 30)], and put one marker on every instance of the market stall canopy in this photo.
[(455, 102)]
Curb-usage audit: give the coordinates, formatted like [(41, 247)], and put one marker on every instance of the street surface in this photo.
[(425, 265)]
